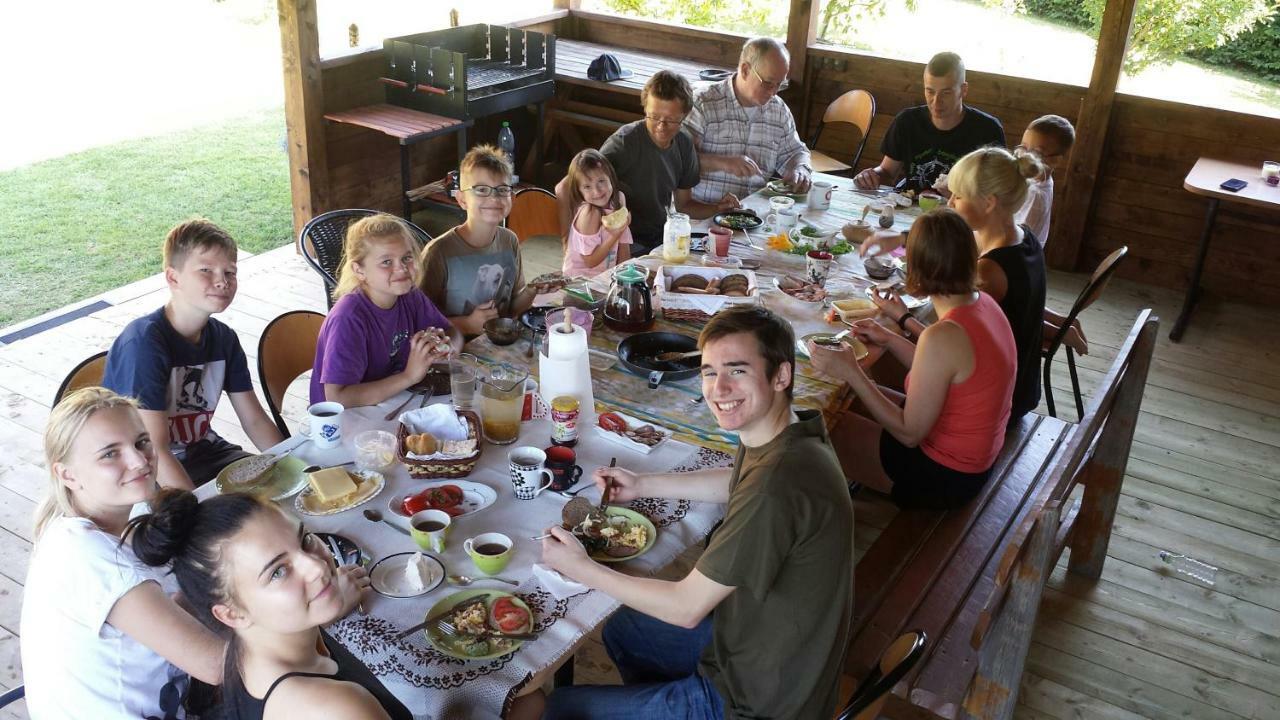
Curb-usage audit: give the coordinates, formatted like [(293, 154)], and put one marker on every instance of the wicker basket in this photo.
[(453, 468)]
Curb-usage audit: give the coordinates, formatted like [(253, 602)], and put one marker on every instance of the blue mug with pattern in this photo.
[(326, 424)]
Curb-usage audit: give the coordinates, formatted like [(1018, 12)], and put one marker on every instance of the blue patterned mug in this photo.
[(326, 424)]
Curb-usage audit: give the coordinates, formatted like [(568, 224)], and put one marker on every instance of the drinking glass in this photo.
[(462, 381)]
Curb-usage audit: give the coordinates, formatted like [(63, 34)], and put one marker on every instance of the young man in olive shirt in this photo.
[(778, 573)]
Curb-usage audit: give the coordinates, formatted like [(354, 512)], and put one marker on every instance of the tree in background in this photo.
[(1165, 30)]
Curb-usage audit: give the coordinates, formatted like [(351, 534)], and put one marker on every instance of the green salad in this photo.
[(839, 248)]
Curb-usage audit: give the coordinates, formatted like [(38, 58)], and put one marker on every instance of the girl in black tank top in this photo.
[(256, 576)]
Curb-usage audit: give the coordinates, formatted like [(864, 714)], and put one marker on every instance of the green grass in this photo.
[(79, 225)]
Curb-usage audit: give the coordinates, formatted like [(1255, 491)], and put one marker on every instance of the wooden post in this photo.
[(994, 691), (801, 27), (1104, 474), (1091, 135), (303, 110)]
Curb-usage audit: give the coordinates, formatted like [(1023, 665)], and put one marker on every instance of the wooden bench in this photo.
[(971, 578)]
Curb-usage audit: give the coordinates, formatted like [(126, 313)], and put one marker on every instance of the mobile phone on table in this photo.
[(1233, 185)]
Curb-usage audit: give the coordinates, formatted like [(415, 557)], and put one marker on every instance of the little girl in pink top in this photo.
[(593, 248)]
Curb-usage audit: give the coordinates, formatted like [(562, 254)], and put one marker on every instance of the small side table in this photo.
[(1204, 179), (409, 127)]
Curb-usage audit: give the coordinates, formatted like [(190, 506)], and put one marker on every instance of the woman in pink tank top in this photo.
[(935, 447)]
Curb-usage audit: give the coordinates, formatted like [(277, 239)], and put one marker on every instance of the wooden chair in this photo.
[(534, 212), (896, 662), (321, 241), (1090, 293), (856, 108), (286, 349), (87, 374)]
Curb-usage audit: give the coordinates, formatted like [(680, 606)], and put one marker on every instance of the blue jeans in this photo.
[(659, 666)]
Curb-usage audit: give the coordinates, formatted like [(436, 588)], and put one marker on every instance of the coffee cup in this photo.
[(929, 201), (325, 424), (529, 475), (818, 266), (783, 219), (820, 195), (778, 203), (429, 529), (561, 461), (490, 552)]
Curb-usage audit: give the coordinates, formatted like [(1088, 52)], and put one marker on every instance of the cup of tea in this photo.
[(429, 529), (529, 475), (721, 237), (818, 266), (490, 552), (562, 462), (820, 195), (326, 424)]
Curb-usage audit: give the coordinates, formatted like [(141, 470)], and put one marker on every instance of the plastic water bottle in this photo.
[(507, 142), (1190, 567)]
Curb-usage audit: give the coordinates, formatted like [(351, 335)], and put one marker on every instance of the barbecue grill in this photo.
[(470, 72)]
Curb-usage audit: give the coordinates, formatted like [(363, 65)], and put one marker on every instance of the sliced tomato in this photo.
[(612, 422), (507, 616), (415, 503), (454, 511), (455, 491)]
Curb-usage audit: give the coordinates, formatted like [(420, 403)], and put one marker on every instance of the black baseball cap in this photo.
[(606, 69)]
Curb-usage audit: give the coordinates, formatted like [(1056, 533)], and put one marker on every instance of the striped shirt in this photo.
[(720, 125)]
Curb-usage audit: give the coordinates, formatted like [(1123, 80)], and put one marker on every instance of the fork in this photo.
[(392, 415), (447, 629)]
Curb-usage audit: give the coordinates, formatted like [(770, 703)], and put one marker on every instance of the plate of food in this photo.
[(406, 575), (265, 476), (458, 498), (782, 187), (436, 380), (800, 290), (826, 339), (327, 492), (614, 535), (744, 219), (912, 302), (555, 279), (481, 619), (630, 432)]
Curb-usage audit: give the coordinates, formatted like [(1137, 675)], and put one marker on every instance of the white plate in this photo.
[(387, 575), (810, 303), (910, 301), (628, 442), (475, 496), (371, 484)]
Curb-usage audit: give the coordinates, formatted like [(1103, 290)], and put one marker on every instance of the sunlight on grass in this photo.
[(82, 224)]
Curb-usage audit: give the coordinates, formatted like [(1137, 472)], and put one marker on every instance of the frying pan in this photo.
[(636, 353)]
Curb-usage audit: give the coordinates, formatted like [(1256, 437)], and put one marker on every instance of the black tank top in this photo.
[(240, 705), (1023, 305)]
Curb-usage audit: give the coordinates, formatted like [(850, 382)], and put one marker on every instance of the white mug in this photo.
[(326, 424), (820, 195), (528, 467), (782, 219)]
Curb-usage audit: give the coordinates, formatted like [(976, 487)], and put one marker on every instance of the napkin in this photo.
[(557, 584)]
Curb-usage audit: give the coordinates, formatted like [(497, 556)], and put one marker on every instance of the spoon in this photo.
[(676, 355), (374, 516), (463, 580)]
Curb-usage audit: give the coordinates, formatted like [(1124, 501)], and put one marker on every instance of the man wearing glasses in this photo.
[(745, 133), (926, 140), (656, 164)]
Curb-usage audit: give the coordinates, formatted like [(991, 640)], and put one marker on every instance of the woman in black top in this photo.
[(256, 575)]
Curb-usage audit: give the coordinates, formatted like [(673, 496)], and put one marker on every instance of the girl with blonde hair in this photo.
[(101, 636), (383, 333)]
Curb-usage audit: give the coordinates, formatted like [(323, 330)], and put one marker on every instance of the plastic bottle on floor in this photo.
[(507, 144), (1190, 567)]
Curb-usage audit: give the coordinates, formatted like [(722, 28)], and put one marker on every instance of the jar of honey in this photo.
[(564, 420)]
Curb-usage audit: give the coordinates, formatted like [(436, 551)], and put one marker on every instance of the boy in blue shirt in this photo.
[(177, 361)]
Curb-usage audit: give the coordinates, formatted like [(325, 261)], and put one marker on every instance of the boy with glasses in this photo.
[(656, 164), (1050, 138), (744, 132), (473, 272)]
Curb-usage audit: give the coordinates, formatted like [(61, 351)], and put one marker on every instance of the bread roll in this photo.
[(616, 219)]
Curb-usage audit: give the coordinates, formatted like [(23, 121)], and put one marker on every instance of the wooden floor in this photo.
[(1203, 479)]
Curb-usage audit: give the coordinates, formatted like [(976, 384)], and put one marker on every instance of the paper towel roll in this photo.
[(563, 345)]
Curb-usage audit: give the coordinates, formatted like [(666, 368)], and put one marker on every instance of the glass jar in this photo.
[(675, 238), (564, 420)]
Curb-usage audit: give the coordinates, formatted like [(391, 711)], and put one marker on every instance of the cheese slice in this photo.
[(331, 484)]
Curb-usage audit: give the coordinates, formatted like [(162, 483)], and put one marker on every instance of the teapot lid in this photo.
[(629, 273)]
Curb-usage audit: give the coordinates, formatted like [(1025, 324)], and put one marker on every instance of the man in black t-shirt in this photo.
[(925, 141)]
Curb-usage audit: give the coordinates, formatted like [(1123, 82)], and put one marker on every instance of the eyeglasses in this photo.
[(490, 190), (769, 84), (663, 122)]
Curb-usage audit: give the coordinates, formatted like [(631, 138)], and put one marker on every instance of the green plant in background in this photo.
[(839, 16), (1164, 30), (750, 17)]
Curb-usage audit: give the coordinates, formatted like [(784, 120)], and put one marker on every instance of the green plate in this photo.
[(634, 517), (283, 480), (445, 645)]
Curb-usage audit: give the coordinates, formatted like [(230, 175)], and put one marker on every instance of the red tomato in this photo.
[(455, 491), (507, 616), (454, 511), (415, 503), (612, 422)]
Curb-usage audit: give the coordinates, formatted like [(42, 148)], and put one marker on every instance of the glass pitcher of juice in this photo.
[(501, 401)]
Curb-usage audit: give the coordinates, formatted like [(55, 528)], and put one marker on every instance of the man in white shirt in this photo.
[(745, 134)]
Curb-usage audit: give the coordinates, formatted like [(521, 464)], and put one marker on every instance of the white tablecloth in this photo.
[(434, 685)]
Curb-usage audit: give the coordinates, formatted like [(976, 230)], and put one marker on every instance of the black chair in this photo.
[(321, 241), (896, 662), (1090, 293), (13, 695)]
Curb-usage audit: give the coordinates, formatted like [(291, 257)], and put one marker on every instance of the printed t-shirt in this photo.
[(165, 372), (786, 546), (360, 342), (927, 152), (74, 664), (649, 176), (458, 277)]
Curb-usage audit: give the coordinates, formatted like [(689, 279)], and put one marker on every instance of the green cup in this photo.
[(429, 529), (490, 552), (929, 202)]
